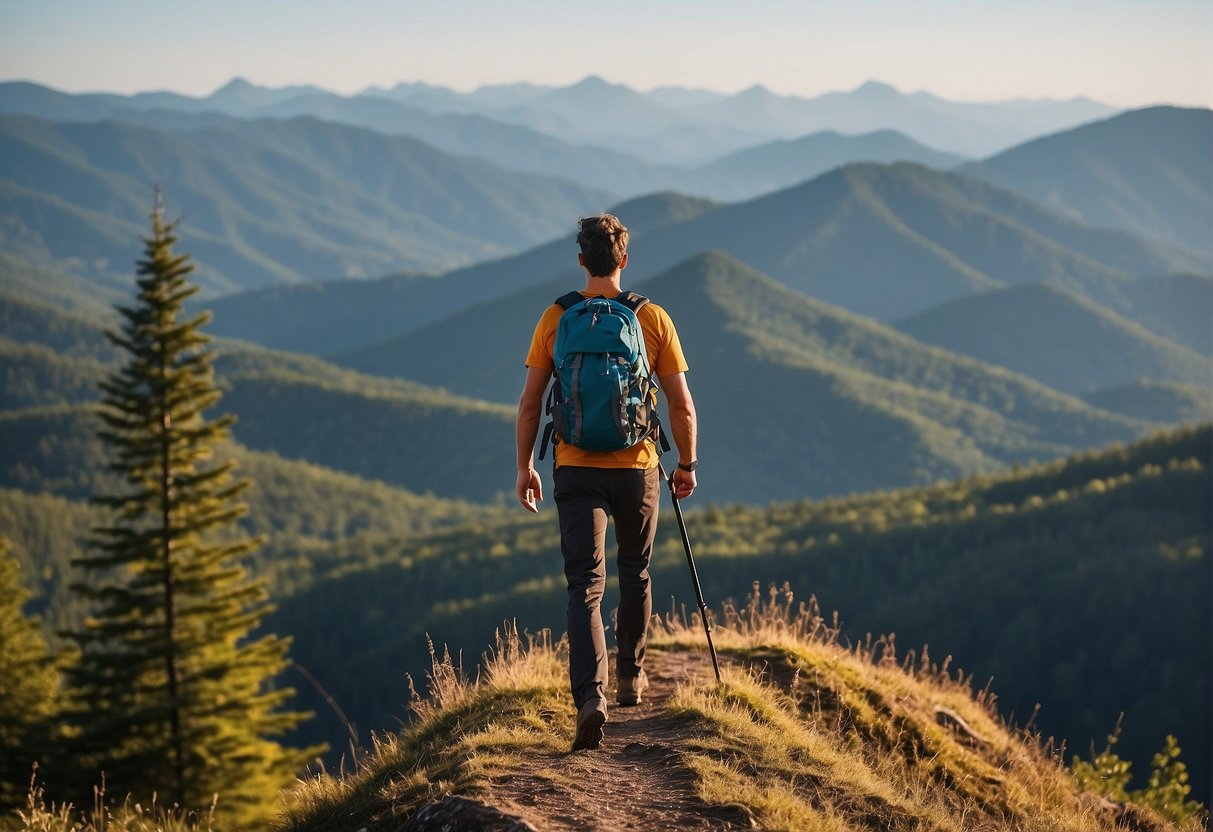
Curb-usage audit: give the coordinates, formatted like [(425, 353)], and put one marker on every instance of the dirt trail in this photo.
[(635, 780)]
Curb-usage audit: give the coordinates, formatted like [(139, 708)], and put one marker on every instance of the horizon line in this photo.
[(647, 90)]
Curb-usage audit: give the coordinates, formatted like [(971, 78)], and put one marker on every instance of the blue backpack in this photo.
[(604, 396)]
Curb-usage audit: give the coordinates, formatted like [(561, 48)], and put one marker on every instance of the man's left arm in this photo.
[(684, 428)]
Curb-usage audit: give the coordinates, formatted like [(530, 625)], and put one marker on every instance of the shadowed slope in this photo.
[(1057, 338), (1178, 307)]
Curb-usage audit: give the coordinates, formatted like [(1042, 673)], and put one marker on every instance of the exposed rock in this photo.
[(950, 719), (459, 814)]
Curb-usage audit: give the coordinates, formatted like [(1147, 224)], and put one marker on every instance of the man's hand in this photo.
[(530, 489), (684, 483)]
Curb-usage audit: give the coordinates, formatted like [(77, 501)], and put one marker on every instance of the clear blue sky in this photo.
[(1124, 52)]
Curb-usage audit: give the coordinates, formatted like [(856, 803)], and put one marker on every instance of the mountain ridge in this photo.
[(1146, 171), (967, 128), (1056, 337)]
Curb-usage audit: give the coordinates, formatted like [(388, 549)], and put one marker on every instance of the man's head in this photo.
[(604, 244)]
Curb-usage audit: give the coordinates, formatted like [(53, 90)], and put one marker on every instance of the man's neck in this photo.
[(607, 285)]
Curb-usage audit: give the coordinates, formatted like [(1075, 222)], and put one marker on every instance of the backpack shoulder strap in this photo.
[(568, 301), (632, 301)]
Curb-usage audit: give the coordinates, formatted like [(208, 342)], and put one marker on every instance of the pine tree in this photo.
[(28, 686), (173, 696)]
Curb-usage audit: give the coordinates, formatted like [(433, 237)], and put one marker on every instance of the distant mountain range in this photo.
[(269, 202), (272, 201), (666, 126), (758, 169), (771, 167), (888, 241), (885, 241), (1147, 171), (630, 118)]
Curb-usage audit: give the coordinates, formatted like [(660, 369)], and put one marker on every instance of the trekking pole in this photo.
[(686, 544)]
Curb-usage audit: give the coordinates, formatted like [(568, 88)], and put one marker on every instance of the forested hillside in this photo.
[(1023, 577), (830, 382), (1174, 306), (1156, 401), (403, 436), (1080, 585)]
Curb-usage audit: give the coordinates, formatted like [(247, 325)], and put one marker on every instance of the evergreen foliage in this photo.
[(171, 695), (28, 685), (1166, 791)]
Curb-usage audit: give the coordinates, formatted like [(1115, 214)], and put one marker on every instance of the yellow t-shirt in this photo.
[(665, 356)]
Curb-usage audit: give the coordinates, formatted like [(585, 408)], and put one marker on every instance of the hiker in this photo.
[(590, 485)]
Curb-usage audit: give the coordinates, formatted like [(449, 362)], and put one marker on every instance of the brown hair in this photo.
[(604, 242)]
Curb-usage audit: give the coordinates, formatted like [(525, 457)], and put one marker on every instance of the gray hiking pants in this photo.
[(585, 497)]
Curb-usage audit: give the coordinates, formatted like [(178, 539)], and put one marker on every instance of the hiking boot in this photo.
[(590, 718), (631, 689)]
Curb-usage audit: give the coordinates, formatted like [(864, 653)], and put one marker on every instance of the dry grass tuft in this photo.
[(40, 815), (464, 732)]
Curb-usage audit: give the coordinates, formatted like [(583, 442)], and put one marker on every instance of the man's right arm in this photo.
[(526, 429), (684, 428)]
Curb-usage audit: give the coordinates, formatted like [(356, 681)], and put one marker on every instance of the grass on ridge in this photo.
[(802, 734), (814, 735), (465, 732)]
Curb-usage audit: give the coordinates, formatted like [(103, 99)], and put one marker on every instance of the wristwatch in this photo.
[(691, 466)]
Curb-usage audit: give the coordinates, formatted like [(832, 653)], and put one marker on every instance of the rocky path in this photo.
[(635, 780)]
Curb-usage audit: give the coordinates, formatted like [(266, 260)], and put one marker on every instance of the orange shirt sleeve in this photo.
[(661, 341), (543, 340)]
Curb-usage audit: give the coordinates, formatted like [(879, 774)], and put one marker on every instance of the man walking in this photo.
[(590, 486)]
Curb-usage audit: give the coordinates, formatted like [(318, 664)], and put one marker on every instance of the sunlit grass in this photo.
[(802, 733), (807, 733), (464, 732), (41, 815)]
